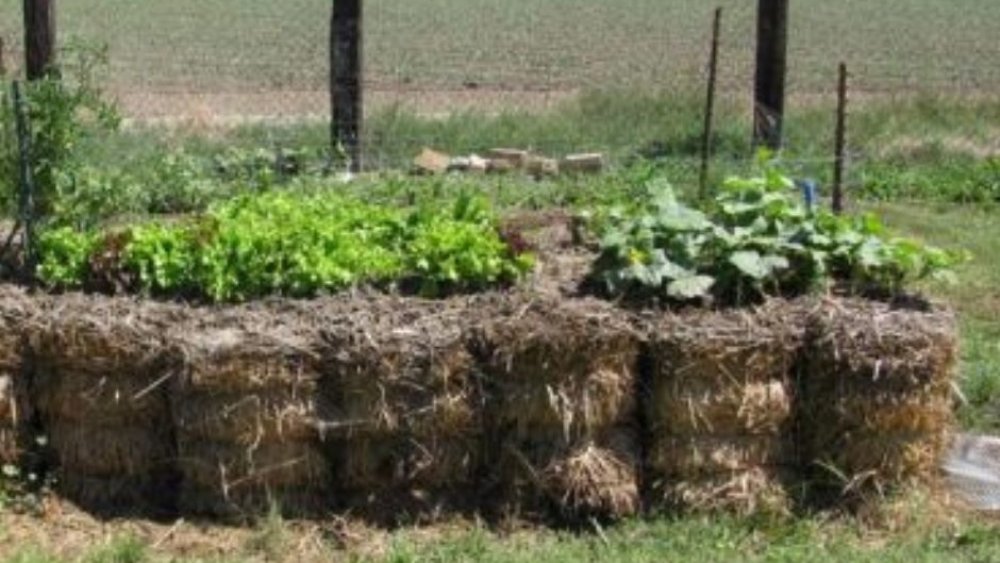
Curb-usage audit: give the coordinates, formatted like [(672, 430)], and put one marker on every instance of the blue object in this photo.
[(810, 191)]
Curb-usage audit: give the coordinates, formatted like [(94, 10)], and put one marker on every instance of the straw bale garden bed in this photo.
[(323, 355)]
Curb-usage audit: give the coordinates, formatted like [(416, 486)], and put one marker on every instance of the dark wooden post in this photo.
[(3, 65), (39, 38), (706, 140), (346, 39), (769, 91), (840, 142)]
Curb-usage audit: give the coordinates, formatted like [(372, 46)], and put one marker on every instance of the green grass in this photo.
[(721, 539), (716, 539), (928, 147)]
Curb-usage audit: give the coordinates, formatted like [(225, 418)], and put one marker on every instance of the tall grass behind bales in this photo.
[(925, 147)]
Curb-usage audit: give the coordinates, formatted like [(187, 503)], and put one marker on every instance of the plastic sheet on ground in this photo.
[(972, 468)]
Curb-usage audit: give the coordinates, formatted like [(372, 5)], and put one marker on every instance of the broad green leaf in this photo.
[(870, 254), (749, 263), (614, 239), (683, 219), (773, 262), (690, 287), (665, 268)]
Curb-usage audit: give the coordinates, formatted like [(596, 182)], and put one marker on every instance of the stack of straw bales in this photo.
[(719, 409), (100, 387), (402, 407), (245, 415), (15, 408), (560, 378), (877, 401)]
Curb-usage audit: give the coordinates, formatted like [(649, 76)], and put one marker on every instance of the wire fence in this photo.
[(242, 61), (232, 58)]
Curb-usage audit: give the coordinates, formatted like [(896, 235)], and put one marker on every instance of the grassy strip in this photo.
[(912, 532), (922, 147)]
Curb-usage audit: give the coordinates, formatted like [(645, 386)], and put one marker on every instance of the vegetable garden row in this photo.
[(753, 240)]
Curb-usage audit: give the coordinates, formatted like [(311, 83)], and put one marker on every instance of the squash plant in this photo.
[(754, 239)]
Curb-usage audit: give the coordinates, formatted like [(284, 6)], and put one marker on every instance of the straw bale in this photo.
[(593, 480), (248, 357), (9, 421), (101, 377), (594, 477), (728, 348), (10, 451), (401, 366), (889, 458), (927, 415), (250, 418), (117, 494), (227, 467), (105, 452), (752, 492), (877, 393), (402, 462), (250, 503), (111, 400), (17, 311), (223, 479), (689, 457), (568, 365), (8, 406), (879, 458), (245, 411), (100, 335), (235, 360), (870, 347), (709, 409)]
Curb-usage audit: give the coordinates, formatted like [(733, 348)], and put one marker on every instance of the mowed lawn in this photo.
[(168, 45)]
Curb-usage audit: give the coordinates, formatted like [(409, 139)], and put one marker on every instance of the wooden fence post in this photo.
[(346, 95), (3, 65), (840, 142), (39, 38), (706, 140), (769, 89)]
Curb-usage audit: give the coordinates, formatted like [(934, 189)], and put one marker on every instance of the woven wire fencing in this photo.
[(231, 62)]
